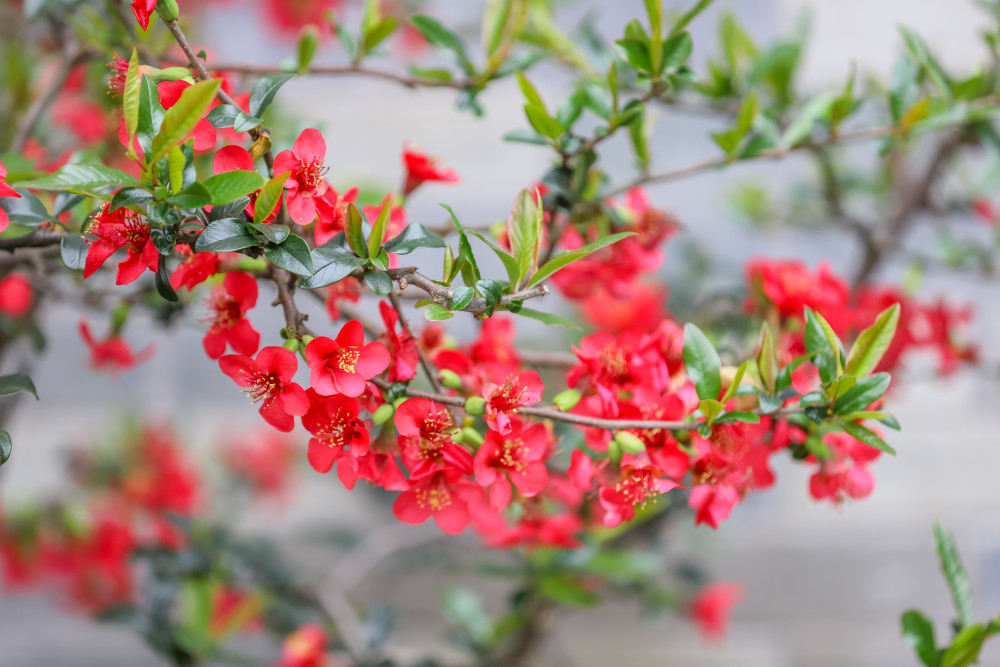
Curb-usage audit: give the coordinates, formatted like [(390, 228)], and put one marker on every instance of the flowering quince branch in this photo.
[(642, 418)]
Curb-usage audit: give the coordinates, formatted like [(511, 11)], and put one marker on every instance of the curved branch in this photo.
[(36, 239)]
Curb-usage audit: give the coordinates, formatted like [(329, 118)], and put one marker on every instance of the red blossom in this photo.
[(196, 269), (331, 212), (404, 357), (121, 229), (338, 433), (517, 457), (228, 306), (348, 289), (425, 438), (305, 184), (712, 606), (263, 461), (421, 168), (712, 503), (268, 380), (343, 365), (502, 400), (112, 354), (143, 9), (306, 647), (444, 495), (5, 191), (16, 295), (638, 485)]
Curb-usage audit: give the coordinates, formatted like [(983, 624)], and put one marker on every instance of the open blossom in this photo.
[(348, 289), (425, 431), (517, 457), (331, 213), (403, 354), (444, 495), (712, 504), (502, 400), (711, 607), (637, 486), (306, 647), (121, 229), (845, 474), (112, 354), (344, 364), (421, 168), (15, 295), (304, 162), (268, 380), (5, 191), (196, 269), (228, 306), (143, 9), (339, 435)]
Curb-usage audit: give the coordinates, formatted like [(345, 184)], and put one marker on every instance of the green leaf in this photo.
[(565, 590), (865, 435), (436, 313), (150, 114), (25, 210), (73, 250), (730, 140), (6, 446), (816, 110), (82, 177), (231, 185), (547, 318), (689, 16), (130, 98), (524, 229), (735, 384), (767, 360), (292, 255), (918, 633), (567, 257), (378, 281), (461, 298), (921, 54), (413, 236), (308, 41), (223, 116), (224, 235), (496, 16), (509, 263), (379, 32), (245, 122), (873, 342), (195, 195), (464, 250), (355, 231), (491, 290), (676, 51), (440, 36), (180, 119), (264, 91), (544, 124), (16, 383), (865, 391), (954, 575), (269, 197), (161, 280), (273, 232), (965, 648), (331, 266), (463, 608), (131, 197), (701, 363), (530, 92), (378, 229), (823, 342)]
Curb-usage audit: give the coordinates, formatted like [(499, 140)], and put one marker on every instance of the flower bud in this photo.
[(450, 379), (475, 405), (306, 339), (566, 400), (291, 344), (629, 442), (383, 414), (167, 9), (167, 73), (398, 402), (614, 451), (471, 437)]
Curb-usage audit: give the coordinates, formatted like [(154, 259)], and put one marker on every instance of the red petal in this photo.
[(232, 158), (321, 456), (278, 360), (374, 359), (408, 510), (310, 145), (239, 367)]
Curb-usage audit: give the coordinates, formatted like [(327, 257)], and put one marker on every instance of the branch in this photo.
[(295, 326), (545, 412), (428, 370), (344, 70), (36, 239)]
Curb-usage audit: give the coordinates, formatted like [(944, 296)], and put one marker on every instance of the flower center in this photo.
[(346, 358)]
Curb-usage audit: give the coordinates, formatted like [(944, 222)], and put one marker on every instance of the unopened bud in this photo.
[(167, 9), (306, 339), (614, 451), (566, 400), (450, 379), (166, 74), (475, 405), (471, 437), (398, 402), (383, 414), (629, 442), (291, 344)]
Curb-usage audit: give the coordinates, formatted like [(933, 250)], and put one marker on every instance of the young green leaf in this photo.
[(767, 360), (689, 16), (308, 41), (509, 263), (567, 257), (547, 318), (355, 232), (435, 313), (442, 37), (918, 632), (378, 229), (954, 575), (821, 340), (873, 342), (524, 229), (862, 394), (180, 119), (464, 251), (865, 435), (701, 363), (175, 168), (130, 99), (231, 185), (81, 177), (269, 197)]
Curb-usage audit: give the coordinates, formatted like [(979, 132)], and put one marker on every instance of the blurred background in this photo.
[(824, 587)]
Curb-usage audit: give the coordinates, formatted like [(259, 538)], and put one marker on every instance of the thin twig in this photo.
[(36, 239), (344, 70), (295, 326), (429, 371)]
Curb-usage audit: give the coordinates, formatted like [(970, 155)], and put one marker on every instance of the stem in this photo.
[(295, 326), (428, 369), (344, 70)]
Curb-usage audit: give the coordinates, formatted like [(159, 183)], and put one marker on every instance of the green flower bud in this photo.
[(383, 414), (471, 437), (291, 344), (475, 405), (168, 73), (306, 339), (450, 379), (167, 9), (614, 451), (629, 442), (567, 400), (398, 402)]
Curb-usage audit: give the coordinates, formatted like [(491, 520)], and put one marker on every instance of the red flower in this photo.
[(264, 463), (338, 435), (637, 485), (291, 15), (196, 269), (421, 168), (425, 431), (713, 504), (121, 229), (15, 295), (348, 289), (845, 475), (331, 213), (306, 647), (525, 388), (790, 287), (268, 379), (305, 184), (5, 191), (521, 455), (344, 365), (142, 10), (113, 353), (444, 495), (229, 305), (403, 354), (712, 606)]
